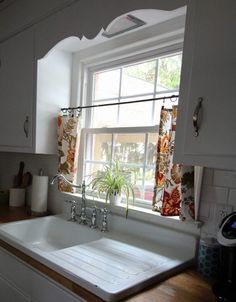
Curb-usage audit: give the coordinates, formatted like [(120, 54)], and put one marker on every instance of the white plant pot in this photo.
[(115, 198)]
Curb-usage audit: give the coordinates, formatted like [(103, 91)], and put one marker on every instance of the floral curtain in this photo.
[(174, 183), (69, 128)]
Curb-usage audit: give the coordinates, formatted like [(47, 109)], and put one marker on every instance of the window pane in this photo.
[(149, 184), (137, 114), (92, 169), (105, 116), (144, 192), (138, 184), (129, 148), (106, 84), (169, 69), (138, 79), (99, 147), (152, 148)]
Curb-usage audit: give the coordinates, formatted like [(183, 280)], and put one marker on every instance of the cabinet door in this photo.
[(25, 13), (208, 71), (16, 92), (9, 293)]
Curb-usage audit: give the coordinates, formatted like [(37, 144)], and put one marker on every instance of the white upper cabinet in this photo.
[(31, 95), (16, 92), (208, 72), (26, 13)]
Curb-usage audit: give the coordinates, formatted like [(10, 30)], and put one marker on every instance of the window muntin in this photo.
[(134, 148), (128, 132), (142, 80)]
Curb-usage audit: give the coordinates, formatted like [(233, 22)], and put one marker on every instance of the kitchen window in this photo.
[(129, 132)]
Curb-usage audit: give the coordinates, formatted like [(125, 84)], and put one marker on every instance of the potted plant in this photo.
[(112, 182)]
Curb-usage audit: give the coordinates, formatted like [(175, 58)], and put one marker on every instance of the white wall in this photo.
[(53, 92), (9, 165)]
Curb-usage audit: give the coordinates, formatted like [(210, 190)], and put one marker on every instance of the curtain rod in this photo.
[(79, 108)]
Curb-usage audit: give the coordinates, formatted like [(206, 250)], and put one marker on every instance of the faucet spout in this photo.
[(83, 215), (65, 180)]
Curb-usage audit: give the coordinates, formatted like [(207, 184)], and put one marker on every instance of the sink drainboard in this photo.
[(107, 262)]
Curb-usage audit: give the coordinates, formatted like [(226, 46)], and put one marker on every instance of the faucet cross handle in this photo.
[(83, 216), (104, 227), (93, 224), (72, 210)]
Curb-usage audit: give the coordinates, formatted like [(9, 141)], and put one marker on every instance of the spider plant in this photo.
[(114, 180)]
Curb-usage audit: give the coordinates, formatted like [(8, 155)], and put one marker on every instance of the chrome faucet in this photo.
[(65, 180), (83, 215), (72, 210), (83, 219), (93, 224), (105, 213)]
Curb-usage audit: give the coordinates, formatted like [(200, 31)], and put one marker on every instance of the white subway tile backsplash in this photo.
[(224, 178), (232, 198), (221, 211), (209, 227), (214, 194), (218, 192), (205, 234), (208, 176), (204, 212)]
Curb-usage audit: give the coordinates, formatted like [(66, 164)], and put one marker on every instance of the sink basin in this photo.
[(49, 233), (111, 266)]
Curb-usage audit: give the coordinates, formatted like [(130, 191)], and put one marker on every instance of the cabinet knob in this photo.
[(26, 127), (196, 116)]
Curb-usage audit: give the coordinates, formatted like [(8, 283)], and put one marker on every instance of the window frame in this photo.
[(115, 61), (86, 91), (120, 130)]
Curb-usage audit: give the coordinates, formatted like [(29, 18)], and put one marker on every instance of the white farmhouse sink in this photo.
[(111, 265), (49, 233)]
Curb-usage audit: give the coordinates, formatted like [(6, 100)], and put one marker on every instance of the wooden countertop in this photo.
[(187, 286), (8, 214)]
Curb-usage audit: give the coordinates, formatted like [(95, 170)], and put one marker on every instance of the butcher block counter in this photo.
[(186, 286), (9, 214)]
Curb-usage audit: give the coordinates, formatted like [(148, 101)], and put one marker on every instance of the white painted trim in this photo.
[(198, 176), (151, 129), (112, 61), (158, 36)]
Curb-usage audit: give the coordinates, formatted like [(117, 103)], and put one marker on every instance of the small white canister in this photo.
[(17, 197)]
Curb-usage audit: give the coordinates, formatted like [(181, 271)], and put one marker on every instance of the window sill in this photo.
[(143, 214)]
